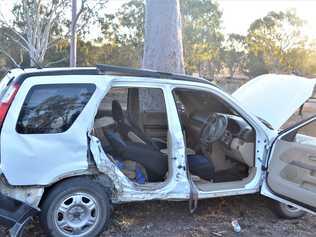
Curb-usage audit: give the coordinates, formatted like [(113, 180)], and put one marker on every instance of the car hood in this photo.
[(275, 98)]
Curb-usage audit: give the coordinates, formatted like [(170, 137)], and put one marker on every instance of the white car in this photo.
[(74, 141)]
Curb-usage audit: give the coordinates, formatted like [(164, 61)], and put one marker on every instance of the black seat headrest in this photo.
[(117, 112)]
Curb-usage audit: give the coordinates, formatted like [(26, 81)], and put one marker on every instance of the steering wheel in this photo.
[(213, 129)]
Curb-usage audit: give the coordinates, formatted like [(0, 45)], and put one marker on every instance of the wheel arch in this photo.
[(101, 179)]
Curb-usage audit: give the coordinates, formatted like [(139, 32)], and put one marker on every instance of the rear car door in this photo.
[(291, 171), (44, 134)]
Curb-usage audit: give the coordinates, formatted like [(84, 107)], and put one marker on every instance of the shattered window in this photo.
[(53, 108)]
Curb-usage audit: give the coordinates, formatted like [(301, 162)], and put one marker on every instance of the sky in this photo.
[(237, 14)]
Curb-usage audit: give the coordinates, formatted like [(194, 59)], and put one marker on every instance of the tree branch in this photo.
[(9, 56), (57, 61)]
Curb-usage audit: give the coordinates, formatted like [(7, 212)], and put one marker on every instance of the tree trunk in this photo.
[(73, 39), (163, 49)]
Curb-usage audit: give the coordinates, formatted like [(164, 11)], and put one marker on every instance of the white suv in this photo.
[(74, 141)]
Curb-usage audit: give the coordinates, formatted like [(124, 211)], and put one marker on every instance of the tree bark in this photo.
[(163, 49)]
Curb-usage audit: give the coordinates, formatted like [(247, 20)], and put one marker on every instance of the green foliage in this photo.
[(123, 34), (11, 48), (274, 44), (274, 37), (234, 55), (57, 55), (254, 65), (202, 36)]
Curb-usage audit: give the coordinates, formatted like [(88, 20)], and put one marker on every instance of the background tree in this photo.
[(131, 18), (234, 53), (123, 34), (34, 26), (163, 49), (38, 25), (202, 36), (273, 37), (12, 54), (87, 13), (254, 65)]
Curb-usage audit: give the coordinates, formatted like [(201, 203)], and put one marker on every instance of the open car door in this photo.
[(291, 171)]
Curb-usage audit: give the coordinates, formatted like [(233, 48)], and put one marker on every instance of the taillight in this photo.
[(6, 100)]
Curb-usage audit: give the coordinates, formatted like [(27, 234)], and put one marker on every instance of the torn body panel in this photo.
[(176, 186)]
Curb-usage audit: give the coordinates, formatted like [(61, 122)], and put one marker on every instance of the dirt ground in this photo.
[(212, 218)]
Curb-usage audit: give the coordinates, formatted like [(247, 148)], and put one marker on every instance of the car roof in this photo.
[(21, 75)]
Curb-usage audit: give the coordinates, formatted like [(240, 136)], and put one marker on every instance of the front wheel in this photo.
[(287, 211), (76, 207)]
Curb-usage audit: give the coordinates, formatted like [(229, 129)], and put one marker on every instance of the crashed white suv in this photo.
[(74, 141)]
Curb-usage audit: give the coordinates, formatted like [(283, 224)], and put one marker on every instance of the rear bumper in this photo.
[(15, 214)]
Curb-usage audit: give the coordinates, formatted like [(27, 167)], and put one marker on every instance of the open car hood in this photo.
[(275, 98)]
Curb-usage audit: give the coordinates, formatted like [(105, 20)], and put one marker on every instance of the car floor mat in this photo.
[(228, 175)]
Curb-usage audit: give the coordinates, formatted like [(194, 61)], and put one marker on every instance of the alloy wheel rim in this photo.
[(76, 214)]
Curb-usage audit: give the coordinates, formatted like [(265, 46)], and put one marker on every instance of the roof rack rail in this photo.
[(128, 71)]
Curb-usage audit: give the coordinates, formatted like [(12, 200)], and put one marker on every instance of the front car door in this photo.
[(291, 171)]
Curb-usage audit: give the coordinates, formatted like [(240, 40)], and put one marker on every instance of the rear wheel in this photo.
[(76, 207), (287, 211)]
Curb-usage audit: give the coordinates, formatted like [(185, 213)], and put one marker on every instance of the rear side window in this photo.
[(53, 108)]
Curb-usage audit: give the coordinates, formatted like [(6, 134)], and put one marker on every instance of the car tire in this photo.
[(285, 211), (76, 207)]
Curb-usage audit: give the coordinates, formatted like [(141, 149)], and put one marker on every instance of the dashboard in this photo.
[(238, 138), (238, 127)]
